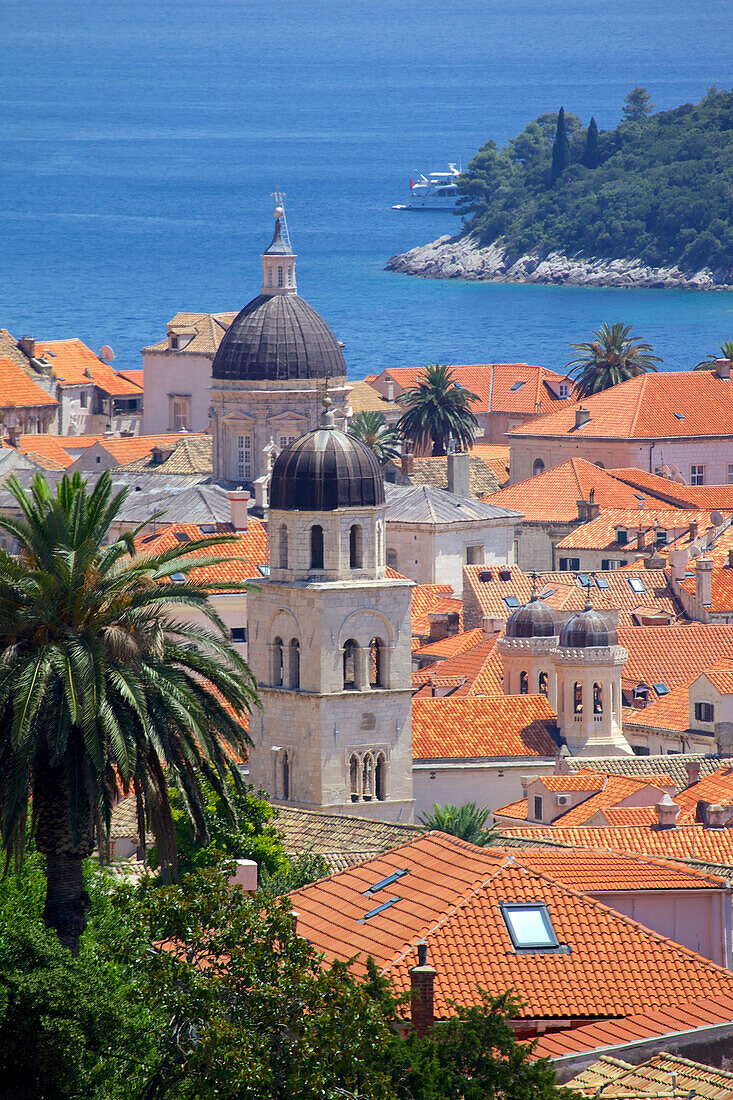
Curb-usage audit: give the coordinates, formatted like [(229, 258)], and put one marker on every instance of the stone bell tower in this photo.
[(329, 638)]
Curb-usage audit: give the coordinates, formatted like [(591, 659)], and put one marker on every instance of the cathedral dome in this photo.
[(588, 628), (533, 620), (324, 470)]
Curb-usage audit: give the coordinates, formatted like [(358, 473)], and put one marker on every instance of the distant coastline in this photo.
[(461, 257)]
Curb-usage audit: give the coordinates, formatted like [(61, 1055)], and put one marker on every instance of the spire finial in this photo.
[(534, 586), (278, 259), (588, 600), (327, 417)]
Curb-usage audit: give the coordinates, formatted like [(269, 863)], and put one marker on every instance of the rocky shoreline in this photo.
[(460, 257)]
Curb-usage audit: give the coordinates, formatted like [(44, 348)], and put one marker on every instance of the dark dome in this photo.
[(533, 620), (587, 628), (277, 337), (324, 470)]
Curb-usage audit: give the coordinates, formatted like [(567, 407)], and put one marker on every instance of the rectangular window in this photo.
[(661, 537), (474, 555), (529, 925), (636, 585), (538, 807), (244, 456), (569, 565), (730, 473), (622, 536), (640, 750), (179, 414), (285, 441), (697, 475), (611, 563), (239, 634), (704, 712), (83, 399)]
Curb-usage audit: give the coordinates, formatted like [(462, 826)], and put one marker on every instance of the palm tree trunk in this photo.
[(66, 902)]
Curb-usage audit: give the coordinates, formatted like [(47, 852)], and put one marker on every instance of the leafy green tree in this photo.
[(467, 822), (614, 356), (590, 153), (560, 149), (637, 104), (725, 352), (438, 409), (103, 687), (371, 428)]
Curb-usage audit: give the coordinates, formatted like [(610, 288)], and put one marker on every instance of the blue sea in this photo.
[(140, 143)]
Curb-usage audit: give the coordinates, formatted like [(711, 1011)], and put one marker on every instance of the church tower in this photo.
[(270, 370), (329, 638), (528, 651)]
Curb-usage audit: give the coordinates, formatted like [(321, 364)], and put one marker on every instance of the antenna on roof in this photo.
[(279, 197)]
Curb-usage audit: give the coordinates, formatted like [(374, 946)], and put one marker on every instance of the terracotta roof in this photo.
[(129, 448), (135, 376), (482, 726), (595, 871), (493, 385), (669, 712), (434, 472), (496, 457), (364, 398), (679, 1015), (663, 1075), (613, 790), (491, 585), (18, 391), (430, 599), (656, 652), (721, 679), (714, 788), (9, 350), (551, 497), (341, 840), (56, 451), (450, 898), (600, 533), (71, 359), (243, 554), (667, 405), (191, 455), (454, 644), (207, 330), (686, 842), (721, 588), (582, 780), (643, 766), (464, 669)]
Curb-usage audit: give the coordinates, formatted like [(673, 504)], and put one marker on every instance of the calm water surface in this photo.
[(140, 142)]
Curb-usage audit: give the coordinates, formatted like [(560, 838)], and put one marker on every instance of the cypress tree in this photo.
[(590, 156), (560, 149)]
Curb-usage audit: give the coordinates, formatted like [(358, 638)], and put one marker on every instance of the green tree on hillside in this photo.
[(637, 104), (725, 351), (590, 153), (560, 149), (103, 688), (614, 356), (437, 409), (371, 428)]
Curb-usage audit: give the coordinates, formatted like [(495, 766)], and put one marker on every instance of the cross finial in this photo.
[(534, 585)]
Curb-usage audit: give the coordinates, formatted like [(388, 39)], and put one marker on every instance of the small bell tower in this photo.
[(278, 259)]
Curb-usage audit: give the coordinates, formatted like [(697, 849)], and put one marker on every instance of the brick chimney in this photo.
[(422, 982), (722, 368), (704, 581), (27, 345), (692, 767), (693, 530), (238, 499), (667, 812), (582, 416), (408, 462)]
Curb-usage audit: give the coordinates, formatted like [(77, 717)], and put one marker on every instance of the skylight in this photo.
[(379, 909), (207, 529), (601, 582), (636, 585), (263, 570), (529, 925), (517, 386), (386, 882), (661, 689), (181, 536), (511, 601), (178, 577), (583, 580), (680, 416)]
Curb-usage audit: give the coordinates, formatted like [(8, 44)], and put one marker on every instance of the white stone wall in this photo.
[(175, 372), (336, 526), (436, 553), (491, 783)]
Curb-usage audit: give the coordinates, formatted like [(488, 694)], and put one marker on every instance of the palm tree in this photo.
[(725, 352), (103, 688), (371, 428), (614, 356), (467, 822), (438, 409)]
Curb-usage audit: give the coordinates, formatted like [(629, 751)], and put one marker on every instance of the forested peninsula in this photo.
[(649, 203)]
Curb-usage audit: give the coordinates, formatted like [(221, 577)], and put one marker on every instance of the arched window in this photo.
[(316, 546), (376, 663), (283, 546), (597, 698), (538, 468), (379, 544), (367, 778), (290, 275), (543, 683), (294, 663), (350, 659), (280, 279), (269, 276), (286, 775), (391, 558), (380, 778), (277, 662), (523, 683), (578, 699), (354, 777), (356, 540)]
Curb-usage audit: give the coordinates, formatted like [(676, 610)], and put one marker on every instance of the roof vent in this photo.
[(722, 368), (582, 416)]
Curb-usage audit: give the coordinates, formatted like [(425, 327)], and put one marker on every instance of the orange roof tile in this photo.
[(496, 457), (482, 726), (18, 391), (715, 788), (600, 533), (429, 598), (686, 842), (595, 870), (583, 780), (450, 898), (129, 448), (604, 790), (667, 405), (452, 645), (135, 376), (242, 554), (71, 359), (58, 450), (551, 497), (656, 652), (662, 1076), (721, 588), (492, 383), (669, 712)]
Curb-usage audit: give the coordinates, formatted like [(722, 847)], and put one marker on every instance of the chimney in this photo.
[(692, 767), (582, 416), (422, 982), (238, 504), (704, 581), (459, 474), (678, 562), (667, 812), (715, 816), (27, 345), (390, 389), (693, 530), (245, 875), (408, 462), (730, 559), (722, 368)]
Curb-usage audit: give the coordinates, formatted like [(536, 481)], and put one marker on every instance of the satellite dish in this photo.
[(105, 352), (717, 518), (695, 551)]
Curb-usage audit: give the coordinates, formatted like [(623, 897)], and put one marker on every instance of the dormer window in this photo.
[(173, 341), (622, 536), (564, 389)]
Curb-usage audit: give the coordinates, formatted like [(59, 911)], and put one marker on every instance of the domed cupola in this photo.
[(533, 620), (278, 337), (324, 470), (587, 629)]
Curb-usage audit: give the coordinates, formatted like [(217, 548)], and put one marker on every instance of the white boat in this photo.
[(437, 191)]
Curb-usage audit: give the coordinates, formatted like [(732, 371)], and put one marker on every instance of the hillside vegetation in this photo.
[(661, 190)]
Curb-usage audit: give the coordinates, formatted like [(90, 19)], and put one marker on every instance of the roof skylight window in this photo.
[(181, 536), (263, 570), (379, 909), (511, 601), (636, 585), (517, 385), (386, 882), (207, 529), (661, 689), (529, 926), (583, 580), (601, 582), (680, 416), (180, 577)]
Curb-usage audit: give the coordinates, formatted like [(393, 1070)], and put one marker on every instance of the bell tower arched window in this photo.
[(294, 663), (356, 551), (543, 683), (350, 664), (354, 777), (538, 467), (316, 546), (597, 698), (523, 683), (578, 698), (283, 546), (376, 663), (277, 662), (380, 778), (286, 775)]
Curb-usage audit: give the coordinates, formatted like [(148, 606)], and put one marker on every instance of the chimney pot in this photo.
[(667, 812), (390, 389), (238, 499), (704, 581), (692, 767), (722, 368), (459, 480), (582, 416)]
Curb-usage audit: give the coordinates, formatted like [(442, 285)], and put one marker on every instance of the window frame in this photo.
[(698, 477), (699, 711), (552, 943)]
